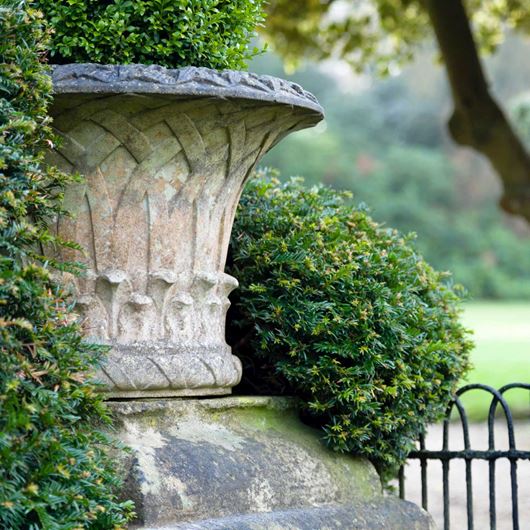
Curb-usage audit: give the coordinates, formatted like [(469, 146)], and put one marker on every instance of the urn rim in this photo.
[(189, 81)]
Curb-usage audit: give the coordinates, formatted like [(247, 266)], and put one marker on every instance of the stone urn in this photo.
[(164, 155)]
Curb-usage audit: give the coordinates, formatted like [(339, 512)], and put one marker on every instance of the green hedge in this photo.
[(172, 33), (54, 472), (343, 313)]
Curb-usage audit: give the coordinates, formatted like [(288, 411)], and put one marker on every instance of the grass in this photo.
[(501, 355)]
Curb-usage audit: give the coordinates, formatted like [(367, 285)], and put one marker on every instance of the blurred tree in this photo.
[(386, 142), (520, 112), (382, 33)]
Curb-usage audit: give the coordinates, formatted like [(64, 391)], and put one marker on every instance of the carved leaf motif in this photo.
[(163, 179)]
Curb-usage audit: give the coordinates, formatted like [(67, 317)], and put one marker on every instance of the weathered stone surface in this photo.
[(188, 81), (246, 462), (385, 513), (165, 155)]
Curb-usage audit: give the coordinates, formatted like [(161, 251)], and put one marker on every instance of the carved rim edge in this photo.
[(187, 81)]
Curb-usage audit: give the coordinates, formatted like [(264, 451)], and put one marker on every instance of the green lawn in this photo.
[(502, 352)]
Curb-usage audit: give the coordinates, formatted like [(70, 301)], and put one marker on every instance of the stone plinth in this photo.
[(165, 155), (242, 463)]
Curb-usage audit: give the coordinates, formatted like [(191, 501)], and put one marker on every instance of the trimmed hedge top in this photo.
[(343, 313), (172, 33)]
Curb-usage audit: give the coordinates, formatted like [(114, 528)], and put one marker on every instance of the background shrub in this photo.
[(172, 33), (54, 473), (343, 313)]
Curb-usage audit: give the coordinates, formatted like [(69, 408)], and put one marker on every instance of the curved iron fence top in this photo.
[(497, 397), (468, 454)]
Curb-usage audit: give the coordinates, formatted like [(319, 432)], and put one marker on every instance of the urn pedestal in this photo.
[(164, 155), (246, 463)]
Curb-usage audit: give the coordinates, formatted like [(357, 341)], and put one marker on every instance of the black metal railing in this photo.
[(491, 455)]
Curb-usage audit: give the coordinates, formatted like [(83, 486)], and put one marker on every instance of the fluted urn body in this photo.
[(164, 155)]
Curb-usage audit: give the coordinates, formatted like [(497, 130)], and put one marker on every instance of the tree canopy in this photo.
[(381, 34)]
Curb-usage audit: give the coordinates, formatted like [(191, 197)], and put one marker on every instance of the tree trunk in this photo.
[(477, 119)]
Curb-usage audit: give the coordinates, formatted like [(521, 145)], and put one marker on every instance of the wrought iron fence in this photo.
[(491, 455)]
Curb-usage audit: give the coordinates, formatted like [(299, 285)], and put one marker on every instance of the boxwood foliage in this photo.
[(54, 472), (172, 33), (343, 313)]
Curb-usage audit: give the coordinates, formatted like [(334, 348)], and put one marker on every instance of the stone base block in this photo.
[(246, 463), (388, 513)]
